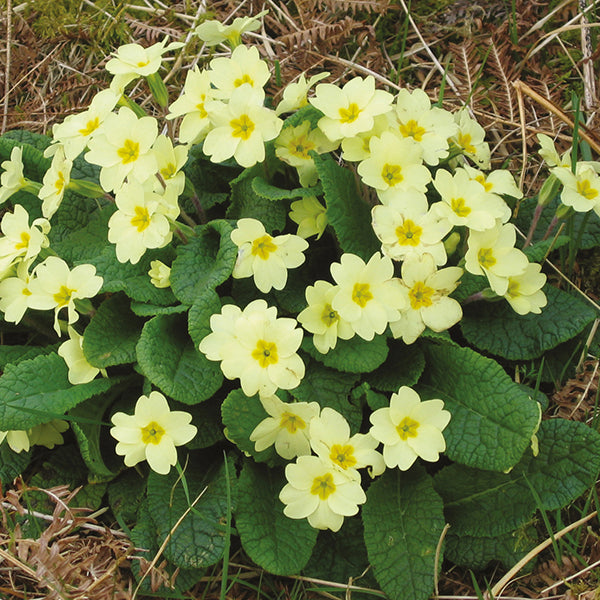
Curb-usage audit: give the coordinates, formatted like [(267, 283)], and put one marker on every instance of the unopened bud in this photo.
[(158, 89), (451, 243), (548, 190)]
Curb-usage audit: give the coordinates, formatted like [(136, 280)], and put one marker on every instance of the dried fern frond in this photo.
[(502, 67), (467, 70)]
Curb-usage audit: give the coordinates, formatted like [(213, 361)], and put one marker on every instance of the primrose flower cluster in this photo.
[(437, 210)]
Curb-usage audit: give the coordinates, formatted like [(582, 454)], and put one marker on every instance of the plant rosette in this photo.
[(239, 310)]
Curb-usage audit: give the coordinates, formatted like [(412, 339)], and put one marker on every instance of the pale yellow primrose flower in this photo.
[(197, 91), (410, 428), (524, 292), (470, 139), (287, 427), (264, 257), (55, 183), (293, 146), (499, 182), (310, 216), (55, 286), (394, 167), (321, 493), (492, 253), (15, 294), (123, 149), (152, 433), (257, 347), (139, 223), (80, 370), (20, 241), (74, 133), (241, 128), (18, 440), (244, 67), (214, 32), (330, 439), (135, 61), (465, 201), (368, 296), (295, 93), (358, 148), (351, 109), (320, 319), (549, 153), (407, 226), (160, 274), (429, 127), (425, 291), (170, 160), (48, 434), (12, 180), (581, 189)]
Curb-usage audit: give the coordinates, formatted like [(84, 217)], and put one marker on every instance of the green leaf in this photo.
[(330, 388), (263, 189), (492, 418), (279, 545), (207, 416), (36, 391), (16, 354), (403, 366), (241, 415), (35, 164), (125, 494), (484, 504), (536, 252), (210, 181), (246, 203), (206, 261), (143, 309), (24, 136), (497, 328), (74, 213), (12, 464), (347, 211), (351, 356), (170, 360), (199, 539), (207, 304), (306, 113), (112, 334), (403, 520)]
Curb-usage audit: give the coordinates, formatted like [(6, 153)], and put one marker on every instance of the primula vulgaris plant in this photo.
[(295, 297)]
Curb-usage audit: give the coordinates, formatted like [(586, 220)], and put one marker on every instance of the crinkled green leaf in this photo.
[(264, 189), (24, 136), (12, 464), (241, 415), (74, 213), (278, 544), (125, 494), (329, 388), (16, 354), (112, 334), (347, 211), (483, 503), (199, 539), (207, 304), (306, 113), (497, 328), (492, 418), (171, 360), (403, 520), (35, 164), (403, 366), (537, 252), (143, 309), (207, 417), (206, 261), (351, 356), (36, 391), (210, 181)]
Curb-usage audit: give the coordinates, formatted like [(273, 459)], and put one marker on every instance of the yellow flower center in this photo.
[(486, 185), (513, 288), (152, 433), (24, 243), (464, 141), (130, 152), (63, 296), (142, 218), (586, 190), (412, 129), (392, 174), (200, 107), (407, 428), (329, 316), (25, 291), (242, 127), (343, 455), (90, 126), (409, 234), (242, 80), (291, 422), (323, 486), (420, 296), (350, 114), (486, 257), (301, 146), (459, 206), (361, 294), (265, 353), (263, 246), (143, 63), (168, 171), (59, 183)]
